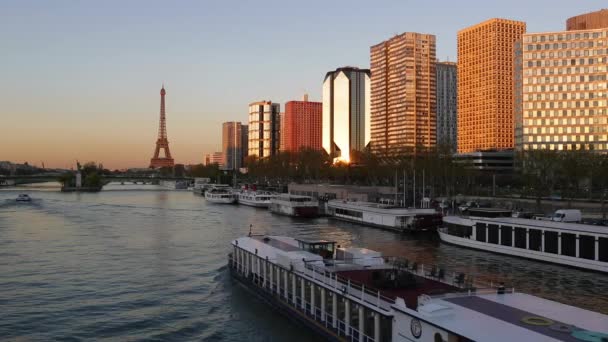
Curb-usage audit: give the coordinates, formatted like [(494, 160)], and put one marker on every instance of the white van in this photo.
[(567, 215)]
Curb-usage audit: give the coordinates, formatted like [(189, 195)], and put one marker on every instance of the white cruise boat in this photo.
[(254, 198), (220, 194), (294, 205), (384, 215), (571, 244), (356, 294)]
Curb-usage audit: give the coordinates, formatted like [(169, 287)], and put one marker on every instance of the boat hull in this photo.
[(382, 226), (220, 200), (563, 260), (257, 204), (279, 304)]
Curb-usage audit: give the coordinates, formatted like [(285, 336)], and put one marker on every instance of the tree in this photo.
[(539, 172)]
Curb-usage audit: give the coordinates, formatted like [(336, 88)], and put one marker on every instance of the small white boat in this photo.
[(253, 198), (221, 195), (23, 198)]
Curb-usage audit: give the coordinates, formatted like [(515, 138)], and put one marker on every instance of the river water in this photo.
[(142, 263)]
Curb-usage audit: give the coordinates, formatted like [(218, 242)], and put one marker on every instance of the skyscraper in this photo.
[(302, 125), (403, 104), (346, 112), (232, 145), (485, 84), (264, 129), (447, 104), (563, 92)]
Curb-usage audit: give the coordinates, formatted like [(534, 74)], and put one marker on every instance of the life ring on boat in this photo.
[(565, 328), (536, 320)]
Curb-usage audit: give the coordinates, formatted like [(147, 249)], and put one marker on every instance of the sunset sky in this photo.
[(81, 79)]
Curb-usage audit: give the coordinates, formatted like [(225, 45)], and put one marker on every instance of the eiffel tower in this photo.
[(162, 142)]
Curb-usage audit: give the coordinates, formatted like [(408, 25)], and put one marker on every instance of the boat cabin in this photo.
[(323, 248)]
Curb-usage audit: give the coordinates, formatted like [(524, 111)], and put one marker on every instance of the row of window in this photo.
[(565, 104), (567, 79), (563, 36), (570, 45), (570, 147), (516, 237)]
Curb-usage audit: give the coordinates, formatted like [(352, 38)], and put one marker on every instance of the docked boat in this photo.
[(356, 294), (384, 215), (294, 205), (254, 198), (23, 198), (570, 244), (220, 194)]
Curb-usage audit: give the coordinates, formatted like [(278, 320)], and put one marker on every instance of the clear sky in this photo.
[(81, 79)]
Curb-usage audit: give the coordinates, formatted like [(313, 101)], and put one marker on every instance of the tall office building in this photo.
[(447, 104), (264, 129), (403, 103), (346, 112), (563, 91), (301, 125), (588, 21), (485, 84), (232, 145)]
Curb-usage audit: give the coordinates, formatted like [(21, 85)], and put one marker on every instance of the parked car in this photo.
[(470, 204)]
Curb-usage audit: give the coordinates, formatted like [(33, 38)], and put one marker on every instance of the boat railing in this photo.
[(347, 286), (423, 299), (466, 283)]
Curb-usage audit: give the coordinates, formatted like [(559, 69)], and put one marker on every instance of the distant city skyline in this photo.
[(80, 80)]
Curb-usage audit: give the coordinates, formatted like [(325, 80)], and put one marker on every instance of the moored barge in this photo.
[(570, 244), (356, 294), (384, 215)]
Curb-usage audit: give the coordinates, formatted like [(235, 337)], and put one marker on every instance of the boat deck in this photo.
[(410, 290)]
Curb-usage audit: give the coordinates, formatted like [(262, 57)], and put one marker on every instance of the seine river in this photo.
[(142, 263)]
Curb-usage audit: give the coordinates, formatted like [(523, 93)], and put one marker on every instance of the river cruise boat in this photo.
[(385, 215), (254, 198), (294, 205), (571, 244), (356, 294), (220, 194)]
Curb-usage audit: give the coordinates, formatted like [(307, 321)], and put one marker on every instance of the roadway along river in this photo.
[(151, 265)]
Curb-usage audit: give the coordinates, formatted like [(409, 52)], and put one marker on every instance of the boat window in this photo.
[(520, 237), (506, 236), (459, 230), (535, 239), (480, 232), (603, 249), (586, 247), (550, 242), (569, 244), (493, 233), (351, 213)]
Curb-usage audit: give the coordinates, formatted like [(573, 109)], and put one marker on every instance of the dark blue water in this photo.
[(144, 264)]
